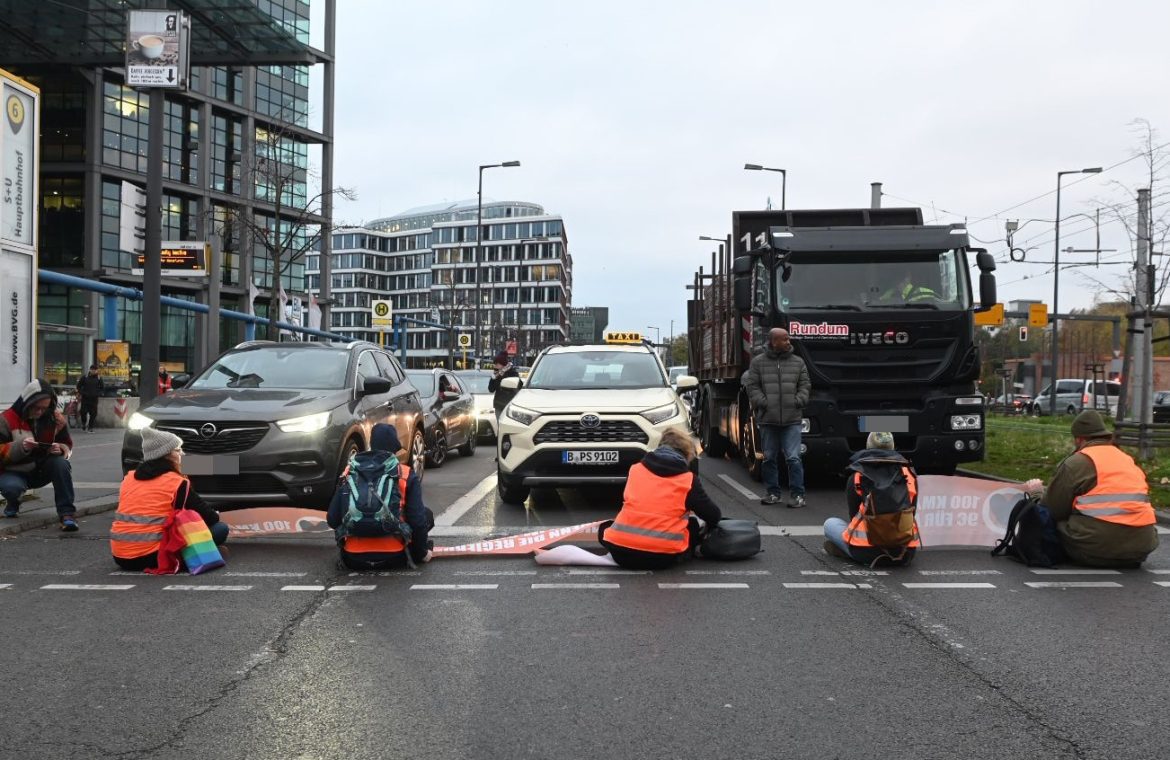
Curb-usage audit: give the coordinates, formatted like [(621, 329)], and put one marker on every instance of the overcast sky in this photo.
[(633, 121)]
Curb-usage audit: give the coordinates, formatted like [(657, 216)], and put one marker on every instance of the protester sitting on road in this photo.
[(90, 388), (880, 474), (147, 498), (35, 447), (1099, 500), (504, 368), (375, 496), (654, 528)]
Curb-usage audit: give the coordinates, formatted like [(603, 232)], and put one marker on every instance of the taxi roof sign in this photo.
[(623, 337)]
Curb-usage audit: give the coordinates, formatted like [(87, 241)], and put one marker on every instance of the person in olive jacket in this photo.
[(1099, 500), (778, 385)]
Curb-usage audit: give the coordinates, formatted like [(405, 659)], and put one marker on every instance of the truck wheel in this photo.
[(714, 445), (747, 450)]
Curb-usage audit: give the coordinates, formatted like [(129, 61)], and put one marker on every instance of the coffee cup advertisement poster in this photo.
[(154, 49)]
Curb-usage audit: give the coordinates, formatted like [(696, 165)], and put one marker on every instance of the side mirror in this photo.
[(511, 383), (448, 396), (178, 381), (685, 382), (984, 260), (372, 386)]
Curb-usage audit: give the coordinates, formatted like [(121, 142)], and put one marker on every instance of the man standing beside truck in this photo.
[(778, 385)]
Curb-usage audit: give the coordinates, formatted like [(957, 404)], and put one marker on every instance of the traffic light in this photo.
[(1023, 333)]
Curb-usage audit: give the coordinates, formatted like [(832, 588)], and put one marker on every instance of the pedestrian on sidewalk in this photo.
[(1099, 500), (148, 496), (778, 385), (884, 481), (89, 388), (504, 368), (376, 496), (656, 526), (35, 447)]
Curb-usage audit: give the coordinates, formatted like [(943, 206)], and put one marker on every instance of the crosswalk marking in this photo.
[(250, 574), (495, 572), (351, 587), (1073, 584), (87, 587), (604, 571), (455, 587), (5, 585), (40, 572), (1162, 583), (194, 587), (676, 586), (1158, 571), (729, 572), (1072, 571), (960, 572), (825, 585), (949, 585), (302, 588), (548, 586)]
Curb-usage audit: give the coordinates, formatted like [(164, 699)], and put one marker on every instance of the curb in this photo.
[(48, 515)]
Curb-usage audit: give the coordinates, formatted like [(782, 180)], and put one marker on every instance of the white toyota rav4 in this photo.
[(584, 416)]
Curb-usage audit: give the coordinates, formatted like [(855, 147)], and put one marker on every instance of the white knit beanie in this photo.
[(878, 440), (156, 444)]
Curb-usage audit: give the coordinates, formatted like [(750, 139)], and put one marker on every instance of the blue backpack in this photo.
[(375, 501)]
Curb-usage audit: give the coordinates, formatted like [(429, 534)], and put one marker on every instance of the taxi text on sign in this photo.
[(1038, 315), (623, 337), (19, 169), (382, 315)]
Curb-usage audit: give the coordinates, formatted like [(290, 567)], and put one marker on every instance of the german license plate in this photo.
[(589, 457), (196, 464), (883, 424)]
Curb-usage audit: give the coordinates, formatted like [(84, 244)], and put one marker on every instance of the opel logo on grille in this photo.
[(208, 430), (590, 420)]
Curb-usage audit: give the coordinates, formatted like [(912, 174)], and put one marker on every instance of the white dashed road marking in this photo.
[(40, 572), (673, 586), (1073, 584), (193, 587), (949, 585), (745, 491), (351, 587), (265, 575), (729, 572), (547, 586), (455, 587), (1158, 571), (604, 571), (87, 587), (792, 530), (302, 588), (5, 585), (1162, 583), (465, 502), (960, 572), (495, 572), (826, 585), (1073, 571)]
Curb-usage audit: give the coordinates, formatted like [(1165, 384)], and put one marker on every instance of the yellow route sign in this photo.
[(993, 317), (623, 337), (1038, 315)]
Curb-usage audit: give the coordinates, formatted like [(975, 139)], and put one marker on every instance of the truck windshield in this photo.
[(865, 281)]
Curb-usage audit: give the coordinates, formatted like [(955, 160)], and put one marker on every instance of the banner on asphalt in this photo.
[(957, 511)]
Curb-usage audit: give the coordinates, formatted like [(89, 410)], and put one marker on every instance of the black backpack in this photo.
[(889, 509), (1031, 535), (375, 503)]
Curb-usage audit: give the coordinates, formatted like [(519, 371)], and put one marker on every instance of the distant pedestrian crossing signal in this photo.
[(1023, 333)]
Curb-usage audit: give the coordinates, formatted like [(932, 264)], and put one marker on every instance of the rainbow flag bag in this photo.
[(199, 552)]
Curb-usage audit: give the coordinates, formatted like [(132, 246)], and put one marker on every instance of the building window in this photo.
[(125, 119), (226, 144), (62, 222)]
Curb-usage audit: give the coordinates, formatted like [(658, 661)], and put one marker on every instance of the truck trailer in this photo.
[(879, 306)]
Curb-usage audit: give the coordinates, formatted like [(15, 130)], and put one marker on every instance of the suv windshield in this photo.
[(424, 381), (274, 367), (889, 280), (581, 370)]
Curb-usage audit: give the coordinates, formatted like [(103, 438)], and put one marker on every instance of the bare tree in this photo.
[(287, 222)]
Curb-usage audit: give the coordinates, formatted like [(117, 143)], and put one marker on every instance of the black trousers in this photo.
[(88, 412), (635, 559)]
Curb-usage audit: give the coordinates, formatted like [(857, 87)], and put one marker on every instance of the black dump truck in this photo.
[(879, 306)]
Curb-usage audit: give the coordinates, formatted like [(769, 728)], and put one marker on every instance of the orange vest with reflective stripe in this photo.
[(383, 544), (143, 509), (653, 517), (1121, 495), (854, 534)]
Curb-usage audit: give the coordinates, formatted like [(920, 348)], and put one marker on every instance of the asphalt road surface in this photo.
[(792, 654)]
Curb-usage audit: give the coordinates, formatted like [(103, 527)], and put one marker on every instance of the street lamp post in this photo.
[(1056, 287), (479, 251), (657, 339), (783, 181)]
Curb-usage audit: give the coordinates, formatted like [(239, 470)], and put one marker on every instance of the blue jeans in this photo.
[(777, 440), (55, 470), (835, 533)]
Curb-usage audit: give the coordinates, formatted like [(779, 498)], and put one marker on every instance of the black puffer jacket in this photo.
[(778, 385)]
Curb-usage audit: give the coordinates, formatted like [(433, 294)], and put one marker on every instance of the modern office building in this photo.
[(424, 261), (588, 324), (238, 146)]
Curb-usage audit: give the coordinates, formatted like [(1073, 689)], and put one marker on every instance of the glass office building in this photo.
[(238, 145), (424, 261)]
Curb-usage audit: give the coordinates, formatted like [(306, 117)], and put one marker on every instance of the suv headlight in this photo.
[(138, 421), (661, 414), (308, 424), (520, 414)]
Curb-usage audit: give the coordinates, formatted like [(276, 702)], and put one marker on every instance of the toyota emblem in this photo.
[(208, 430), (590, 421)]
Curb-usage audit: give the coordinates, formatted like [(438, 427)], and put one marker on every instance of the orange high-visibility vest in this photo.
[(653, 517), (383, 544), (143, 509), (1121, 495), (854, 534)]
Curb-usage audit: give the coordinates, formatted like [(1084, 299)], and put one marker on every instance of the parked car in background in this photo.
[(476, 380), (1161, 406), (1011, 403), (449, 413), (1074, 395), (275, 423)]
